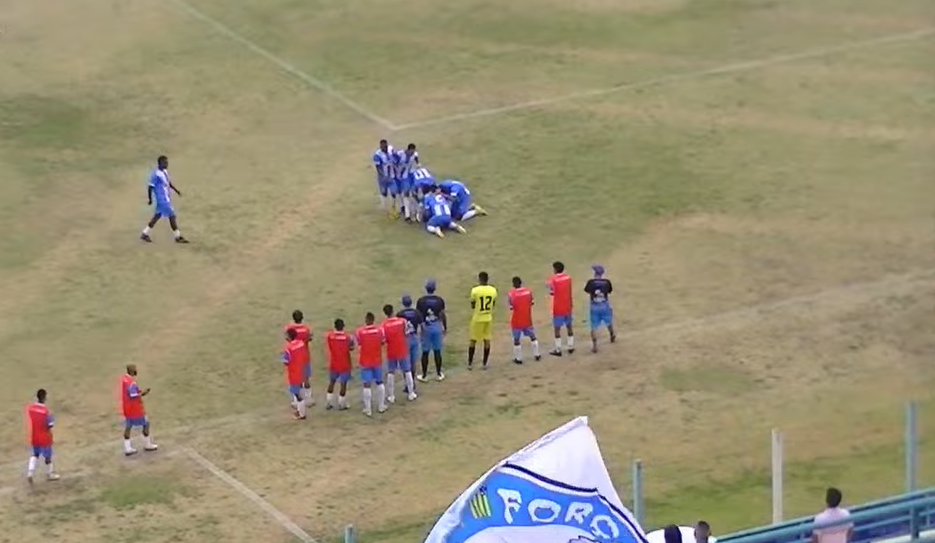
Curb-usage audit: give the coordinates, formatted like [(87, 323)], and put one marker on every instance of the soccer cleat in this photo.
[(390, 399), (470, 366), (479, 209), (594, 348), (153, 447), (412, 396), (556, 352), (613, 338), (29, 478), (146, 238), (368, 413), (299, 417), (485, 367), (130, 452), (537, 358), (422, 378), (53, 477), (439, 233), (571, 351), (440, 377), (460, 229), (517, 361), (181, 239), (329, 407), (343, 407)]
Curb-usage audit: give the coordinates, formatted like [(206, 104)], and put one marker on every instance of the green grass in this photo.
[(703, 198)]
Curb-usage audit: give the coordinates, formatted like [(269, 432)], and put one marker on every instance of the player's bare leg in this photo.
[(144, 235), (424, 376), (472, 347), (593, 340), (439, 375), (175, 231), (148, 444), (613, 333), (486, 353)]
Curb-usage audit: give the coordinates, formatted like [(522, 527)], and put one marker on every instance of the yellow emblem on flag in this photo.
[(480, 505)]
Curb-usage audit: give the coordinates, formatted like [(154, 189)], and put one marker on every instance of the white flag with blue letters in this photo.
[(555, 490)]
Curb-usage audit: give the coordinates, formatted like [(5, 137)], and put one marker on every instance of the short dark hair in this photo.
[(483, 277), (41, 394), (383, 142), (411, 147), (558, 266), (162, 158), (833, 497), (388, 310), (339, 324), (703, 524), (291, 333), (297, 315), (370, 317), (517, 282)]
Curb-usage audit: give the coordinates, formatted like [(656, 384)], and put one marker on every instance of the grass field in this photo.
[(755, 175)]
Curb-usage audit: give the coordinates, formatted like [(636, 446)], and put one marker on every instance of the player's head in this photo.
[(291, 334), (430, 286), (131, 369), (411, 149), (298, 316), (558, 267), (598, 270), (40, 395), (406, 300), (388, 310), (702, 532), (162, 162), (339, 324), (483, 278), (517, 282), (369, 318), (384, 145)]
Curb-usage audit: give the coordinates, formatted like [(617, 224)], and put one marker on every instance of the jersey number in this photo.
[(486, 303), (420, 174)]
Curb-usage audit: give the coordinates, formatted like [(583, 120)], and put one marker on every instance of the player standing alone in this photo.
[(304, 334), (602, 314), (397, 354), (521, 303), (295, 358), (40, 429), (340, 344), (434, 329), (560, 289), (483, 302), (370, 358), (134, 413), (159, 187)]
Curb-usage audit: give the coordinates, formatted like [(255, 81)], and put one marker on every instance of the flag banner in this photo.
[(554, 490)]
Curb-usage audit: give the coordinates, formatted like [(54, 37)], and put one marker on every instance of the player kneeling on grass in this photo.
[(294, 358), (439, 215), (134, 413), (462, 207), (339, 344), (40, 425), (422, 184)]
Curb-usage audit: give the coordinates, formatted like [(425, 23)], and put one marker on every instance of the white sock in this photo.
[(558, 344), (148, 441), (342, 401), (31, 467), (127, 445), (390, 384), (517, 352), (468, 215), (432, 229), (300, 407), (571, 342), (410, 385), (381, 396), (368, 399), (177, 234), (329, 398), (49, 469), (146, 230), (408, 203), (383, 201), (535, 348)]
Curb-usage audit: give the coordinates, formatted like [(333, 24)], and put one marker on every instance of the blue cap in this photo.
[(598, 269), (406, 300), (430, 286)]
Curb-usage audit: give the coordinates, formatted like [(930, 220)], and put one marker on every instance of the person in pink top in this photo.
[(840, 533)]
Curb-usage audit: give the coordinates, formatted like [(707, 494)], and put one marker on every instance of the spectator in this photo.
[(703, 533), (834, 512), (672, 534)]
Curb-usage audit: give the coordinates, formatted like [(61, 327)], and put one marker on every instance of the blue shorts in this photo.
[(520, 332), (165, 209), (601, 315), (340, 376), (402, 365), (433, 339), (439, 221), (415, 350), (135, 421), (561, 320), (387, 185), (404, 185), (461, 206), (295, 391), (371, 375), (44, 452)]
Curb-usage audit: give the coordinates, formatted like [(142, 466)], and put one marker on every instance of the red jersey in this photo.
[(339, 351), (370, 340), (302, 333), (521, 305), (394, 331), (131, 398), (295, 358), (560, 288), (40, 425)]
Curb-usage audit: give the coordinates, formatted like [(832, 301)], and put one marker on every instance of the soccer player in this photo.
[(397, 353), (295, 358), (462, 208), (405, 161), (483, 301), (40, 426), (383, 164), (560, 290), (304, 333), (339, 344), (439, 216), (413, 330), (434, 328), (134, 413), (521, 302), (159, 186), (422, 185), (370, 359), (602, 314)]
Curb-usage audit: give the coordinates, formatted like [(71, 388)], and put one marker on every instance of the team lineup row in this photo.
[(409, 190)]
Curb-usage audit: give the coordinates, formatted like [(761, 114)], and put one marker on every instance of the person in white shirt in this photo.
[(834, 512)]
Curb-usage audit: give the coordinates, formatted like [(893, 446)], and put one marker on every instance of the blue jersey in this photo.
[(159, 183), (457, 189), (383, 161), (431, 307), (405, 164), (437, 205), (422, 179), (413, 320)]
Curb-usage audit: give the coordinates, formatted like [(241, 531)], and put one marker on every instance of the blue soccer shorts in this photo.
[(398, 365), (433, 339), (561, 320), (44, 452), (371, 375), (165, 209), (529, 332), (340, 376), (601, 315), (135, 422), (439, 221)]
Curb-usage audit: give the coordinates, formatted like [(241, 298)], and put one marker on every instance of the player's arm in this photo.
[(473, 298), (589, 287), (171, 186), (610, 287), (149, 194), (351, 343), (444, 319)]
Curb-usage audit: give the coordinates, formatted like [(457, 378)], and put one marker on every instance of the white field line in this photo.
[(677, 77), (285, 66), (246, 492), (891, 284)]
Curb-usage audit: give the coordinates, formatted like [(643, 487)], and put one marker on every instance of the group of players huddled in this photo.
[(407, 189)]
